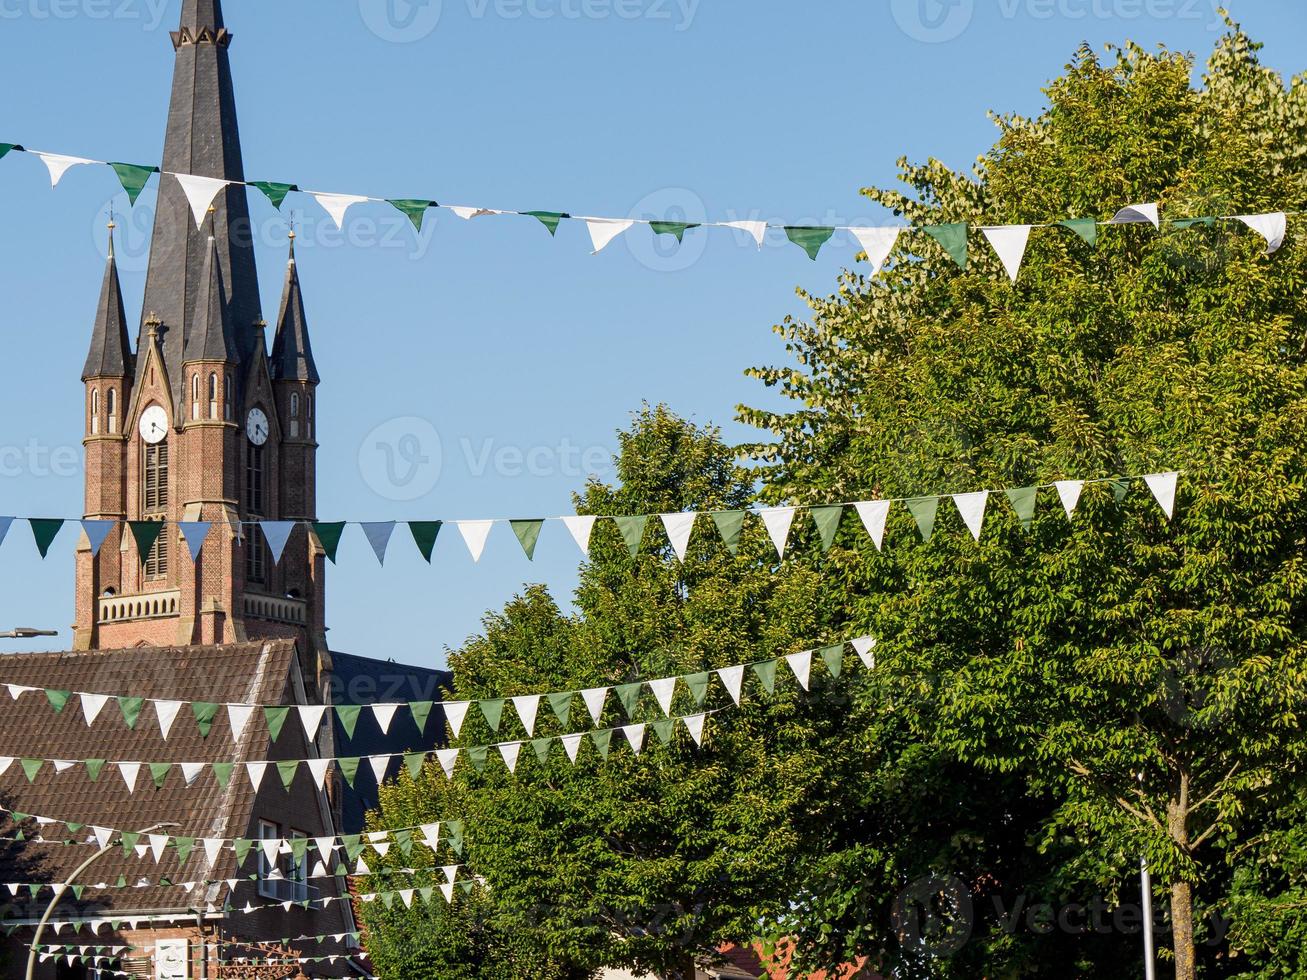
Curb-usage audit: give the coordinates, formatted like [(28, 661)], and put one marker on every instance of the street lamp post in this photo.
[(72, 878), (27, 633)]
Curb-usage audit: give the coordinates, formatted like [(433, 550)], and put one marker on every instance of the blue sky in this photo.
[(519, 354)]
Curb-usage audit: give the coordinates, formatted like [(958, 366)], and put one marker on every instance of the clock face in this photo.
[(154, 424), (256, 426)]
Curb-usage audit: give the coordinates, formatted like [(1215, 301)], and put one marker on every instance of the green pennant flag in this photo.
[(388, 899), (58, 700), (833, 655), (664, 728), (286, 770), (349, 768), (421, 711), (276, 719), (632, 529), (299, 846), (222, 773), (493, 711), (93, 769), (549, 219), (677, 228), (953, 239), (414, 761), (133, 178), (1120, 487), (274, 192), (129, 842), (1023, 502), (629, 696), (403, 840), (541, 746), (242, 847), (528, 533), (561, 703), (145, 533), (31, 767), (77, 891), (184, 845), (827, 520), (204, 712), (44, 531), (477, 755), (349, 717), (924, 509), (698, 685), (424, 535), (1086, 228), (810, 239), (329, 537), (766, 672), (603, 741), (131, 709), (159, 772), (729, 524), (1183, 224), (6, 147), (416, 210)]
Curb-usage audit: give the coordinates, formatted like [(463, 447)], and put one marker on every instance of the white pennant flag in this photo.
[(200, 192), (271, 849), (526, 707), (311, 718), (158, 842), (129, 771), (678, 527), (58, 165), (455, 712), (1009, 241), (326, 848), (510, 750), (102, 836), (877, 243), (406, 896), (972, 508), (694, 725), (1163, 487), (318, 768), (92, 705), (467, 213), (1137, 214), (594, 699), (379, 764), (256, 771), (572, 743), (865, 646), (385, 714), (1069, 492), (60, 765), (604, 230), (447, 758), (212, 849), (191, 771), (801, 664), (448, 891), (634, 737), (663, 689), (431, 835), (1271, 226), (732, 679), (166, 712), (758, 229), (238, 716), (16, 691), (778, 521), (337, 204), (474, 536), (580, 527)]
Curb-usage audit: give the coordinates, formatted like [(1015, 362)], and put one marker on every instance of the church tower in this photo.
[(200, 425)]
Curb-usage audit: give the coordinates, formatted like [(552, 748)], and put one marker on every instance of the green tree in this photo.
[(1145, 677)]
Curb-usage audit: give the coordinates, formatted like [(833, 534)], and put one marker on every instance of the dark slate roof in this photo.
[(202, 138), (358, 680), (210, 334), (244, 673), (110, 355), (292, 353)]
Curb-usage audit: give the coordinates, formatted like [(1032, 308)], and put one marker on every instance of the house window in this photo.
[(111, 401), (95, 412), (256, 565), (298, 868), (213, 396), (269, 871)]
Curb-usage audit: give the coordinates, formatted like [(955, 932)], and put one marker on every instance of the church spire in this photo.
[(292, 353), (110, 356), (209, 337)]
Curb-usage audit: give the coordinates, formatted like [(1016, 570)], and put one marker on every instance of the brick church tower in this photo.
[(201, 423)]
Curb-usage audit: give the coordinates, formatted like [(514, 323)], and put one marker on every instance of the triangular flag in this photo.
[(474, 536), (421, 711), (275, 718), (833, 657), (195, 533), (758, 229), (1271, 226), (628, 695), (146, 534), (5, 524), (863, 647), (191, 771), (873, 514), (311, 716), (318, 770), (697, 685), (133, 178), (277, 533), (676, 228), (129, 771), (1137, 214), (455, 713), (594, 699), (1163, 487), (159, 773), (732, 678), (378, 534), (778, 521), (200, 192), (541, 747), (467, 213), (1069, 492), (384, 714), (572, 743), (580, 527), (801, 664), (348, 714), (92, 705), (561, 705), (678, 528), (923, 510), (166, 712), (810, 239), (694, 725), (634, 737), (238, 717), (1009, 242), (509, 751), (58, 164), (827, 519), (603, 742), (632, 531), (527, 706), (1023, 501), (953, 239), (971, 506), (549, 219), (273, 191), (337, 204), (415, 210), (204, 712), (329, 535), (528, 534), (604, 230), (44, 531), (663, 689), (256, 771), (424, 536), (1086, 228), (766, 672), (877, 243), (212, 849), (492, 709), (96, 532)]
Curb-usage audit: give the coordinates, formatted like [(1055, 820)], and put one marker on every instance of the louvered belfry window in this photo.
[(154, 505)]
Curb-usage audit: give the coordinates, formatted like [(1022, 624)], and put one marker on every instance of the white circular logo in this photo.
[(401, 459), (658, 248), (401, 21), (932, 21)]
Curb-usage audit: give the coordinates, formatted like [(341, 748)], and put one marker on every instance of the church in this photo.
[(209, 419)]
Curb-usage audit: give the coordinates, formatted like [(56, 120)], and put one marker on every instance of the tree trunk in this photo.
[(1182, 895)]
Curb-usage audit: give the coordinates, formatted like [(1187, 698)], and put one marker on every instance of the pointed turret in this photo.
[(292, 353), (210, 334), (110, 356)]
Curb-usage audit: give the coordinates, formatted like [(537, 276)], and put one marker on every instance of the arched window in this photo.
[(213, 396), (256, 569), (95, 411), (294, 414), (226, 400), (111, 402), (154, 506), (309, 406), (195, 396)]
